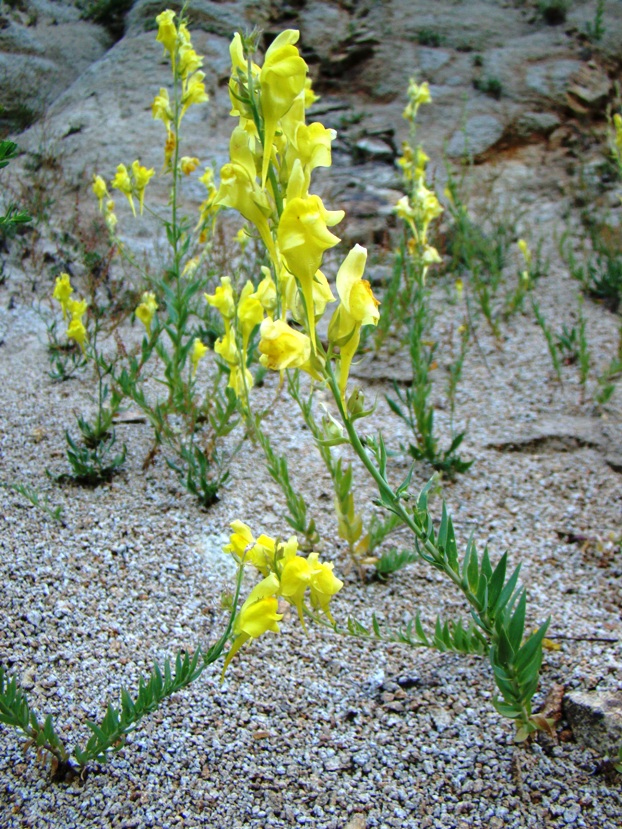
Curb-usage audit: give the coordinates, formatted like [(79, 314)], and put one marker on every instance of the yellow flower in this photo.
[(167, 33), (76, 331), (188, 164), (198, 351), (223, 299), (62, 291), (282, 347), (323, 584), (241, 192), (417, 94), (122, 182), (194, 92), (141, 177), (77, 308), (100, 190), (161, 107), (250, 312), (266, 292), (358, 307), (240, 381), (243, 546), (146, 310), (188, 60), (295, 578), (524, 249), (282, 79), (303, 236)]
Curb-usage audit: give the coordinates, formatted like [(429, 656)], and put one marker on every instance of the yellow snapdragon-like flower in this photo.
[(283, 347), (417, 94), (122, 182), (524, 249), (76, 331), (197, 352), (141, 177), (161, 108), (303, 237), (244, 547), (358, 307), (250, 313), (146, 310), (62, 292), (193, 92), (188, 164), (188, 60), (223, 300), (100, 190), (282, 79), (239, 190), (167, 32)]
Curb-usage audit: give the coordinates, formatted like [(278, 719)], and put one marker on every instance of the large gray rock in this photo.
[(596, 720), (480, 134)]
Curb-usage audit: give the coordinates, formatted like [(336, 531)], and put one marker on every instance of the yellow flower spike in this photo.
[(63, 291), (250, 313), (239, 191), (141, 177), (222, 299), (196, 354), (161, 108), (324, 584), (122, 182), (100, 190), (76, 331), (188, 164), (194, 92), (295, 578), (282, 79), (146, 310), (167, 33), (283, 347), (303, 236)]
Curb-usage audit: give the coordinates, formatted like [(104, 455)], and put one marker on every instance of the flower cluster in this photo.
[(420, 206), (273, 152), (73, 310), (286, 575)]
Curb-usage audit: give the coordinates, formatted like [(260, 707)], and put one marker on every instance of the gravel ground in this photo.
[(310, 729)]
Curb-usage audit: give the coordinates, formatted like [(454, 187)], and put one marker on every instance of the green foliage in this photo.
[(32, 495), (95, 464), (13, 216), (595, 30), (65, 356), (429, 37), (198, 475), (489, 86), (393, 560)]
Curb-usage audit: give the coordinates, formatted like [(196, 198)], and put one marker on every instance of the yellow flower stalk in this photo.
[(62, 292), (197, 352), (146, 310), (282, 79)]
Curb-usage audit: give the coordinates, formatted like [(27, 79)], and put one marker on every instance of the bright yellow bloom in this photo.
[(358, 307), (283, 347), (417, 94), (77, 308), (282, 79), (194, 92), (100, 190), (141, 177), (266, 292), (197, 353), (243, 546), (524, 249), (240, 191), (188, 164), (167, 33), (223, 299), (250, 313), (295, 578), (63, 291), (146, 310), (188, 60), (161, 107), (303, 237), (122, 182), (323, 584), (76, 331)]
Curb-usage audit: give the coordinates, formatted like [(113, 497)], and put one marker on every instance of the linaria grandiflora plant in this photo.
[(268, 181)]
